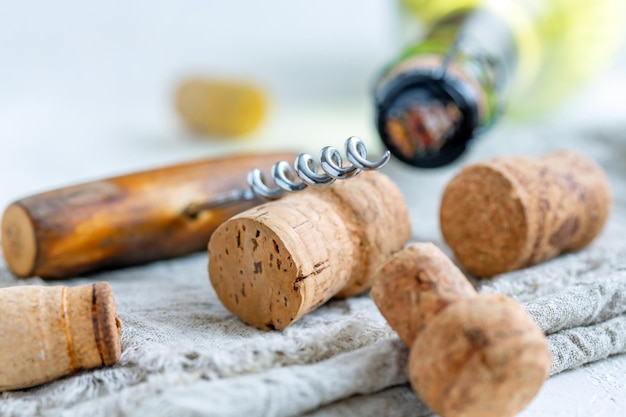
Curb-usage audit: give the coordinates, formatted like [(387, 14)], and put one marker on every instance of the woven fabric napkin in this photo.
[(185, 355)]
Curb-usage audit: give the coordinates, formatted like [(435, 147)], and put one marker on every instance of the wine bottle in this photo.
[(479, 61)]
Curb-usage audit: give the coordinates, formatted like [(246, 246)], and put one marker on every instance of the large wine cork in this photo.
[(274, 263), (125, 220), (509, 213), (49, 332)]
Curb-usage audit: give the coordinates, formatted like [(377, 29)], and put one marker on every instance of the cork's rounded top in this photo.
[(484, 220), (484, 356), (107, 325), (19, 243)]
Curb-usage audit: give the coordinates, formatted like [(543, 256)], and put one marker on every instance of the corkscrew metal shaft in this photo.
[(305, 172)]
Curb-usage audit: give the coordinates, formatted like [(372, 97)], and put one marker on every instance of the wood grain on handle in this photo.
[(125, 220)]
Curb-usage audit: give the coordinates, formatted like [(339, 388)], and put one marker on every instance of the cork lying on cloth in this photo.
[(184, 354)]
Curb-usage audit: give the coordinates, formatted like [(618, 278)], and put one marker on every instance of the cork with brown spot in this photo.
[(274, 263), (480, 357), (414, 285), (49, 332), (512, 212), (470, 354)]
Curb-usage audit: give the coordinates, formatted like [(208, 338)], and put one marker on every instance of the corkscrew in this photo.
[(305, 172), (158, 213)]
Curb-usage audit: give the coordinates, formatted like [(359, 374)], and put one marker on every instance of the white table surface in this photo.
[(85, 93)]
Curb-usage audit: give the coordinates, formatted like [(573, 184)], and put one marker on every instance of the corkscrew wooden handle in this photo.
[(125, 220)]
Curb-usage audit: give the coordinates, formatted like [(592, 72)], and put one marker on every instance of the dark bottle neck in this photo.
[(435, 99), (426, 120)]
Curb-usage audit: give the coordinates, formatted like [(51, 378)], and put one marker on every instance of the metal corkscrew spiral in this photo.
[(305, 172)]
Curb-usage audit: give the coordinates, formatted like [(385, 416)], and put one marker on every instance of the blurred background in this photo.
[(87, 88)]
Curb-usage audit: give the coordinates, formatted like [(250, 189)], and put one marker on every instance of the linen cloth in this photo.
[(185, 355)]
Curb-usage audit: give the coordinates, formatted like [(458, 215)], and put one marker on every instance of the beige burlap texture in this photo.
[(185, 355)]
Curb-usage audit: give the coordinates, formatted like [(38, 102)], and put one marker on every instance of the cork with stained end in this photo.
[(50, 332), (414, 285), (512, 212), (275, 263)]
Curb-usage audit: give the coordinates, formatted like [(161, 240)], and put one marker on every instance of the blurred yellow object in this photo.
[(220, 107)]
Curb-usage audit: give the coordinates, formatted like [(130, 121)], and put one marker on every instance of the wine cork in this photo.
[(509, 213), (220, 107), (49, 332), (483, 356), (275, 263), (470, 354), (414, 285)]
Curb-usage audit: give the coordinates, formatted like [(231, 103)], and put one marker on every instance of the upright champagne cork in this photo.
[(275, 263), (49, 332), (509, 213)]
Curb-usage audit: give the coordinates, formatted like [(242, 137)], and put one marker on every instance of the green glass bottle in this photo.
[(481, 60)]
